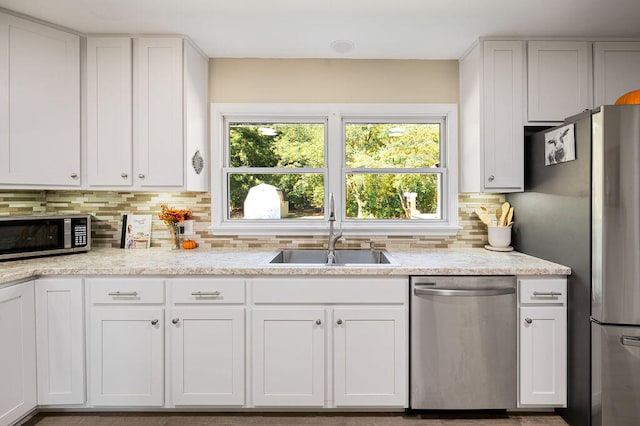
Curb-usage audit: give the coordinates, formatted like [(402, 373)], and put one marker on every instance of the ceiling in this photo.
[(384, 29)]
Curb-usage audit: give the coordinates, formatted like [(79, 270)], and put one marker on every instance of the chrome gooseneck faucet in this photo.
[(333, 238)]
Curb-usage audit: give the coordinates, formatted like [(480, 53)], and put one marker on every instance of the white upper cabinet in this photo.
[(491, 117), (146, 115), (157, 114), (559, 79), (39, 105), (616, 70), (109, 137)]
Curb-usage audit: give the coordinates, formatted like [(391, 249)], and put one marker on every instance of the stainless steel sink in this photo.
[(343, 257)]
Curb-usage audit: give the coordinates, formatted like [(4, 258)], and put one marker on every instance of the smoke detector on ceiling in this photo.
[(342, 46)]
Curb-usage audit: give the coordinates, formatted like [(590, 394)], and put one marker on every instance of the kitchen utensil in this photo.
[(509, 216), (483, 215), (498, 215), (505, 211)]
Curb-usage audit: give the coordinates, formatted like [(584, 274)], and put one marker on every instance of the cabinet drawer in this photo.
[(330, 290), (543, 290), (207, 290), (126, 290)]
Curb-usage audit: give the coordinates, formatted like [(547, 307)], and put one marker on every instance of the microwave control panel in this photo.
[(80, 234)]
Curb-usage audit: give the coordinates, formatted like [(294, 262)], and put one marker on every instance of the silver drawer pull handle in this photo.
[(339, 322), (630, 340), (318, 322), (124, 293), (528, 320), (175, 320), (154, 322), (205, 293), (546, 293)]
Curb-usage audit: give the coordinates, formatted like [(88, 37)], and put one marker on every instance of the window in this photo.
[(391, 168)]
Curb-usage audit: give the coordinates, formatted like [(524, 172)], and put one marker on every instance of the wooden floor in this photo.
[(378, 419)]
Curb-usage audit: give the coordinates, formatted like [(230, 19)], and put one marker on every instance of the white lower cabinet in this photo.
[(127, 357), (369, 356), (543, 342), (60, 340), (207, 356), (330, 342), (288, 357), (126, 341), (17, 352)]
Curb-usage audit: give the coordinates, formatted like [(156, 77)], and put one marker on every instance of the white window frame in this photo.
[(335, 171)]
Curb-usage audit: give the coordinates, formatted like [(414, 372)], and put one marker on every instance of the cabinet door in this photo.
[(39, 104), (370, 357), (543, 356), (158, 112), (196, 94), (60, 341), (503, 135), (17, 353), (559, 79), (109, 139), (288, 357), (615, 70), (207, 356), (126, 357)]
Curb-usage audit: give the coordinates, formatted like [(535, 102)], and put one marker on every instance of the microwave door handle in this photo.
[(67, 233)]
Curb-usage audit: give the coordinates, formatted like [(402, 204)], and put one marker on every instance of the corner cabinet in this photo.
[(39, 105), (60, 341), (147, 95), (543, 342), (492, 117), (18, 353)]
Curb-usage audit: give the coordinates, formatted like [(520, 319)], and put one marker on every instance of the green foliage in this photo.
[(369, 195)]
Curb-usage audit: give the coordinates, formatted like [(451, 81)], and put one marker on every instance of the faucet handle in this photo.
[(332, 209)]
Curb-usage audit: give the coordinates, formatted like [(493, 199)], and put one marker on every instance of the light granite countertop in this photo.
[(162, 261)]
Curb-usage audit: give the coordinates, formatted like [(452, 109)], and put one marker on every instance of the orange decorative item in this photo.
[(172, 217), (632, 97), (189, 244)]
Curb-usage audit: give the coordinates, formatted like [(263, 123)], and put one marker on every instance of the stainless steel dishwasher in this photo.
[(463, 342)]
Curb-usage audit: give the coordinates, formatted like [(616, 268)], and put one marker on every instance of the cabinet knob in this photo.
[(154, 322), (124, 175), (491, 178), (339, 322), (74, 176), (141, 175), (175, 320), (318, 322), (528, 320)]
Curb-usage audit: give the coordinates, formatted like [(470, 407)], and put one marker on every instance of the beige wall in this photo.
[(333, 80)]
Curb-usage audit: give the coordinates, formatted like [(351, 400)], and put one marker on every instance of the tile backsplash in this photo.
[(107, 208)]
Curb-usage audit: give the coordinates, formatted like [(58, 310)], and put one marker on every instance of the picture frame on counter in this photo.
[(136, 231)]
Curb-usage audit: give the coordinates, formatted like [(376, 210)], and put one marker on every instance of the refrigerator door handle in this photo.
[(630, 340)]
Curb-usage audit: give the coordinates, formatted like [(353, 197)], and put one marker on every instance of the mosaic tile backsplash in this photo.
[(107, 208)]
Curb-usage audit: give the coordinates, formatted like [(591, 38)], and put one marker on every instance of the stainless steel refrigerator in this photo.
[(586, 214)]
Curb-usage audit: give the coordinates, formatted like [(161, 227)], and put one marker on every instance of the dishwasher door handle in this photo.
[(418, 291)]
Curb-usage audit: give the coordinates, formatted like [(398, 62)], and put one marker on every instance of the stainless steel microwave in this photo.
[(29, 236)]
